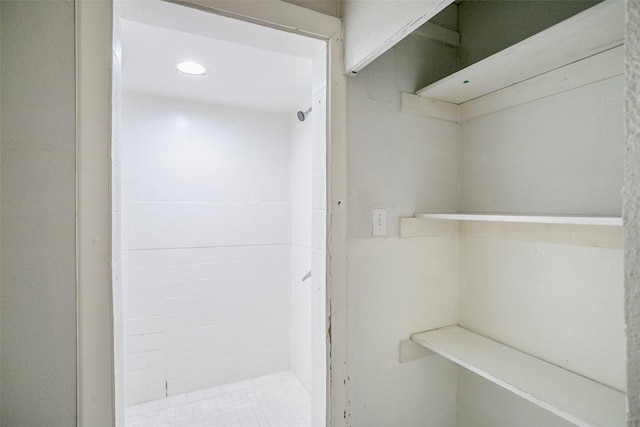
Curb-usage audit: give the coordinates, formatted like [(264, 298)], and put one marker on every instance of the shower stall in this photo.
[(222, 211)]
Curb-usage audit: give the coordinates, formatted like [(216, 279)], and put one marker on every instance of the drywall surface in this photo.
[(631, 211), (404, 164), (206, 245), (38, 360), (503, 408), (373, 27), (301, 250), (509, 21), (397, 287), (564, 152), (554, 292)]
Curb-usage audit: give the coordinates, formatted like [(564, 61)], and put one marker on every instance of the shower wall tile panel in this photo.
[(206, 245), (301, 161)]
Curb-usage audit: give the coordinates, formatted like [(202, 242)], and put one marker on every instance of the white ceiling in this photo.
[(250, 66)]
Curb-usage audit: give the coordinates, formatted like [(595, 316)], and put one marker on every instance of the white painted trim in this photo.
[(95, 343), (573, 397), (337, 204), (274, 14), (532, 219), (95, 388)]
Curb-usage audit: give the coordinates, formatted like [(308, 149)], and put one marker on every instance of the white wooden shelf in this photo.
[(571, 396), (592, 31), (583, 49), (533, 219)]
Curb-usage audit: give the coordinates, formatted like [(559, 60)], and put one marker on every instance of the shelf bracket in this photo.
[(422, 106), (410, 350), (440, 34)]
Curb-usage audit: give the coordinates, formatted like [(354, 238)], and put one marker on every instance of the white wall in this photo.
[(564, 152), (38, 304), (405, 164), (554, 292), (301, 250), (206, 245), (503, 408), (401, 162), (631, 211), (563, 155)]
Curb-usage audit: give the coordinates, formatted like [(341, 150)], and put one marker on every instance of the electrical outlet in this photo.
[(379, 222)]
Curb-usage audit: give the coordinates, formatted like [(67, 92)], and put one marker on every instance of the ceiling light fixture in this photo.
[(191, 68)]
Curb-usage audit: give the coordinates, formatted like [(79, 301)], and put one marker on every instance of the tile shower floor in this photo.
[(276, 400)]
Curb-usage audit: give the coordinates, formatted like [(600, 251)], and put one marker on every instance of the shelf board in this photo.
[(533, 219), (571, 396), (586, 34)]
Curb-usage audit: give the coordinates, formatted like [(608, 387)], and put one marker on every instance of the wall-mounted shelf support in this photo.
[(440, 34), (409, 350)]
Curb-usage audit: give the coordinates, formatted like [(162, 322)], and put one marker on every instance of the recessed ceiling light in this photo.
[(191, 68)]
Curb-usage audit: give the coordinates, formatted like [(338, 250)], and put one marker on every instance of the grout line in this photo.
[(276, 399)]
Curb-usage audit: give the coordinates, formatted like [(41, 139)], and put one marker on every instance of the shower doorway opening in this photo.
[(219, 236)]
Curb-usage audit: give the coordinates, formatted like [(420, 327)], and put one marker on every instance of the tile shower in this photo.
[(211, 197), (276, 400)]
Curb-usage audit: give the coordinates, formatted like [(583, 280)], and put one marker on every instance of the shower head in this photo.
[(302, 115)]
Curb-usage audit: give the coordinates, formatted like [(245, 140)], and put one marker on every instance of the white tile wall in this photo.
[(271, 400), (301, 160), (206, 245)]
